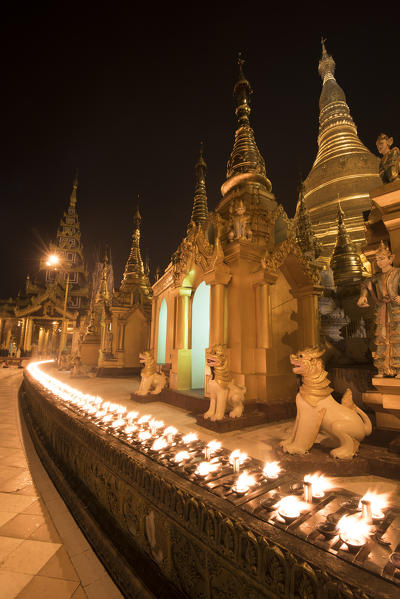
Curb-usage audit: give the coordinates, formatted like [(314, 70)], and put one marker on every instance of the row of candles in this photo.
[(145, 430)]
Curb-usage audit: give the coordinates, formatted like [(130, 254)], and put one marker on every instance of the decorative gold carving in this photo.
[(274, 259)]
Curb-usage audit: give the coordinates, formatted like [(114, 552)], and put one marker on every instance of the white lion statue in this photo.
[(318, 411), (150, 376), (224, 392)]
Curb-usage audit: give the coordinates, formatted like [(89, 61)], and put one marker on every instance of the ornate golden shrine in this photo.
[(263, 288)]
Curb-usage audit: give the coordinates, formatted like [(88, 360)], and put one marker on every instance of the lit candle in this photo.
[(271, 470)]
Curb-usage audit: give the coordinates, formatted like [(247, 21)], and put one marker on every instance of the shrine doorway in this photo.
[(200, 333), (162, 332)]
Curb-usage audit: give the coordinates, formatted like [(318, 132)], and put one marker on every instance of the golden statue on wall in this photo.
[(389, 165)]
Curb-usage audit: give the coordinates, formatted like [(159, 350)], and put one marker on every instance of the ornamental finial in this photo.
[(326, 65), (72, 199)]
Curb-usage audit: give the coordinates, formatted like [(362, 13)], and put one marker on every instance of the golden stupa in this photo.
[(344, 170)]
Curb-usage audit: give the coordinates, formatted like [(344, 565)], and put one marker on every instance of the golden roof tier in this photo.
[(344, 169)]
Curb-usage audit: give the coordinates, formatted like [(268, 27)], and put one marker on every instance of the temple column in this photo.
[(182, 320), (218, 280), (182, 355), (263, 311), (154, 305), (217, 313), (308, 315), (28, 335), (40, 340)]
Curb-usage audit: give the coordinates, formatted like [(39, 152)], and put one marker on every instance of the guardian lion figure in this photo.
[(224, 392), (318, 411), (150, 376)]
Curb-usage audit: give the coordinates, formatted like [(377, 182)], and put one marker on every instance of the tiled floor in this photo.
[(43, 554)]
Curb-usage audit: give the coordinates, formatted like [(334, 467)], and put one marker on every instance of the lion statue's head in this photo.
[(307, 362), (216, 356), (146, 358)]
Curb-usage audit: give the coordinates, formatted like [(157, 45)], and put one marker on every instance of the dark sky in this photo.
[(127, 94)]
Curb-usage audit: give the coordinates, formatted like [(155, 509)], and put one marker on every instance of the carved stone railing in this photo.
[(146, 522)]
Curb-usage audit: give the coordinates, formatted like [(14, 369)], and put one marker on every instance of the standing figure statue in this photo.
[(384, 288), (389, 165)]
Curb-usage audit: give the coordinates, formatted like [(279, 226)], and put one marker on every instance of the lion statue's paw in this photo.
[(293, 449), (236, 412), (340, 453)]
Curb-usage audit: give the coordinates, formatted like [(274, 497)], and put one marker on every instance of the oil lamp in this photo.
[(376, 502), (353, 531), (144, 436), (211, 448), (144, 419), (131, 416), (243, 483), (271, 470), (290, 507), (204, 468), (182, 456), (319, 484), (189, 438), (237, 458), (170, 433), (159, 444)]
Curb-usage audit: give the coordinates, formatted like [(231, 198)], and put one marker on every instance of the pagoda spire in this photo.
[(200, 207), (304, 233), (134, 269), (72, 198), (337, 131), (345, 263), (245, 157)]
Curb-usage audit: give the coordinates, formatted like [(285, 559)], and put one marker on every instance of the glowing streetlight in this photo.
[(53, 260)]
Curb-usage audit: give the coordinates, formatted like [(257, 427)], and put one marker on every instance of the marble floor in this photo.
[(257, 441), (43, 554)]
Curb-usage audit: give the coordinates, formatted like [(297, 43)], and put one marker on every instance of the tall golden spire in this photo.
[(72, 198), (200, 208), (245, 157), (337, 131), (134, 267), (343, 168), (304, 233), (345, 262)]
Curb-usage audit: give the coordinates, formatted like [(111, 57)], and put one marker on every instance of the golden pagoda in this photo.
[(344, 169), (345, 263), (236, 280)]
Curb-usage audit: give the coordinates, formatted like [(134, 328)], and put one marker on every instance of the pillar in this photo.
[(308, 315), (263, 310), (182, 320), (217, 313)]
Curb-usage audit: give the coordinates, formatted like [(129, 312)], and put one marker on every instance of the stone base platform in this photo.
[(255, 413)]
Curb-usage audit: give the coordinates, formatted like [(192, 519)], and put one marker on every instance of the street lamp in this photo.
[(54, 261)]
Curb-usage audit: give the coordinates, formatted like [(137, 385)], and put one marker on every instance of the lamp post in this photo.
[(54, 261)]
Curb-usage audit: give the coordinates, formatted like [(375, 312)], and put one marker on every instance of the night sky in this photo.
[(127, 95)]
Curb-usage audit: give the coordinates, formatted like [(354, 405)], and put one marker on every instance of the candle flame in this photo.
[(244, 482), (378, 501), (236, 453), (291, 506), (353, 529), (159, 444), (181, 456), (189, 438), (271, 469), (319, 484)]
